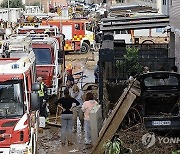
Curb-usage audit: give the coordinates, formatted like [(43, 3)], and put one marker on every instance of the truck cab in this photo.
[(48, 62), (18, 105), (78, 33), (38, 29)]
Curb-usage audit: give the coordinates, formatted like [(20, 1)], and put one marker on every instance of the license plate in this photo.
[(161, 123)]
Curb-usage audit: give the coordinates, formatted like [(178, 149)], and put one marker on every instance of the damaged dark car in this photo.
[(160, 98)]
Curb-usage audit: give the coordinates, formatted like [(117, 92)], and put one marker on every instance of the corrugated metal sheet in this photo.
[(175, 13)]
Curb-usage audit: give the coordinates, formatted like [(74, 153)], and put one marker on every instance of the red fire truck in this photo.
[(48, 53), (49, 61), (18, 105), (37, 29), (78, 33)]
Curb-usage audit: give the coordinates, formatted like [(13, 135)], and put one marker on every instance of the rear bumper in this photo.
[(162, 123)]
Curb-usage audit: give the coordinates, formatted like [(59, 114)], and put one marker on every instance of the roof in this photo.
[(122, 10), (130, 23), (16, 65), (128, 7)]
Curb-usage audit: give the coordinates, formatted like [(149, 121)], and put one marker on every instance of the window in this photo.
[(43, 56), (77, 26), (89, 27), (168, 81), (164, 2), (11, 99), (121, 1), (159, 30), (171, 3), (117, 32)]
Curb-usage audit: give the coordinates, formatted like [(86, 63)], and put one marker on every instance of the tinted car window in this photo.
[(169, 81)]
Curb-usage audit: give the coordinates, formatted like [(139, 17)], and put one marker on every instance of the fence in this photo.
[(114, 68)]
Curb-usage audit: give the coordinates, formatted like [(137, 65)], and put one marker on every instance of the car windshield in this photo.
[(170, 80), (43, 56), (89, 27), (11, 100)]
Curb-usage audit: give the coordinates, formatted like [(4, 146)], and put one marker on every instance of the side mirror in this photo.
[(36, 86), (35, 101)]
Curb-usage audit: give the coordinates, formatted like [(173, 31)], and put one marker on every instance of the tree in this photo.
[(132, 63), (12, 4)]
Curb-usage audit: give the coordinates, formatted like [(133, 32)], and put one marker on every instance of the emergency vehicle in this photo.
[(16, 46), (48, 54), (18, 105), (49, 61), (78, 33), (34, 28)]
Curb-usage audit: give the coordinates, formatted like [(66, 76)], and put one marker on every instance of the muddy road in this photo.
[(49, 141)]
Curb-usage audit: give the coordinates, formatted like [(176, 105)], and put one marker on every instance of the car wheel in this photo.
[(85, 47)]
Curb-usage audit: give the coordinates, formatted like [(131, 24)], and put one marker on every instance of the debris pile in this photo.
[(163, 143)]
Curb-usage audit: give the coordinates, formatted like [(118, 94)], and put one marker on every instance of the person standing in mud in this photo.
[(86, 108), (70, 76), (43, 97), (96, 73), (77, 111), (67, 104)]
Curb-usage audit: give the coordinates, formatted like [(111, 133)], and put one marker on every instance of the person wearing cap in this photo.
[(43, 96), (67, 104)]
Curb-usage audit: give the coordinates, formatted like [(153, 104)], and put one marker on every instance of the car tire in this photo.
[(85, 47)]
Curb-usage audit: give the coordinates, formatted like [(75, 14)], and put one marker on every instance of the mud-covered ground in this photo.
[(142, 141), (49, 142)]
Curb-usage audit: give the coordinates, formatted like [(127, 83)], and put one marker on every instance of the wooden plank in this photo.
[(115, 119)]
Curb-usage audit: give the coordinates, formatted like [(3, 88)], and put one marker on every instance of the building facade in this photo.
[(175, 29), (46, 3), (161, 5)]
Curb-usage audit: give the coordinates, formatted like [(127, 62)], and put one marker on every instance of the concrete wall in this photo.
[(14, 14), (175, 28)]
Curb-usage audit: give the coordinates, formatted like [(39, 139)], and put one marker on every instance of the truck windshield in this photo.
[(168, 81), (89, 27), (11, 100), (43, 56)]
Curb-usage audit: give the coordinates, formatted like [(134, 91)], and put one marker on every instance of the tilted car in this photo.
[(160, 100)]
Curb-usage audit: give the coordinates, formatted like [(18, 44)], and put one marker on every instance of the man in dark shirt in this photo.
[(67, 103)]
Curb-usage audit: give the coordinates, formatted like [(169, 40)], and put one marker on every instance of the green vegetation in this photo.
[(115, 146), (131, 61), (12, 4), (176, 152)]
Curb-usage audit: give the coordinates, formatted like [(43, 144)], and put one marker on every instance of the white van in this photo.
[(123, 35)]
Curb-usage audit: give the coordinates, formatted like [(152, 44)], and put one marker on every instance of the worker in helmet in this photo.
[(43, 97)]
